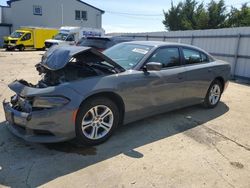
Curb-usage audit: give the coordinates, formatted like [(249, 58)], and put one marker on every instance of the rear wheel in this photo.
[(96, 120), (213, 94), (21, 48)]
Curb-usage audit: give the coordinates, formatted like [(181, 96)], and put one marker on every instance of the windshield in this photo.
[(127, 55), (16, 34), (61, 36)]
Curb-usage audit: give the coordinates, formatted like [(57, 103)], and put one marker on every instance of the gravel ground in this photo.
[(191, 147)]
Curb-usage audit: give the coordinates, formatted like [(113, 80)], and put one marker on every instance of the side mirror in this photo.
[(153, 66)]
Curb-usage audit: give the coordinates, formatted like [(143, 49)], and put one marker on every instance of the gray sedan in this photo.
[(86, 94)]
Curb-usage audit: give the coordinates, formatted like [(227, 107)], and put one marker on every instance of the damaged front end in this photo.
[(37, 115), (43, 112)]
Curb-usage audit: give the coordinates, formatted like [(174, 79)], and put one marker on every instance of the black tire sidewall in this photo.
[(87, 105), (21, 48), (206, 101)]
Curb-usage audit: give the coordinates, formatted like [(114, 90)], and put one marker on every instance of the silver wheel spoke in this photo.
[(87, 126), (93, 111), (214, 100), (94, 132), (108, 125), (104, 127), (105, 113), (85, 123), (217, 94)]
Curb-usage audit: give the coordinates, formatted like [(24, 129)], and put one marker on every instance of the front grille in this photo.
[(13, 41), (6, 41), (21, 104)]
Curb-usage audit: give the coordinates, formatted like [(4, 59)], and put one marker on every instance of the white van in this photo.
[(71, 35)]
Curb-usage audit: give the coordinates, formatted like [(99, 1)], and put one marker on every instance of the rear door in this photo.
[(199, 74)]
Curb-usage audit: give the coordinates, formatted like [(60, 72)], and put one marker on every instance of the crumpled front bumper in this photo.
[(45, 126)]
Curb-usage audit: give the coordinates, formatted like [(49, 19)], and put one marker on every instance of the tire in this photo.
[(213, 94), (9, 49), (96, 121), (21, 48)]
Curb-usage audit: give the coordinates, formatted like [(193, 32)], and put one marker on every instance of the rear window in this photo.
[(95, 43)]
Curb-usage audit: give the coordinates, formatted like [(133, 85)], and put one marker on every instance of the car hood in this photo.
[(57, 57), (55, 41)]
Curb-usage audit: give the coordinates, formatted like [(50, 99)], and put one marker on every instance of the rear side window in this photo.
[(169, 57), (204, 58), (194, 56)]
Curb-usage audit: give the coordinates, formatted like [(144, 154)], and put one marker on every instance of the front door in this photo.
[(154, 92), (27, 40), (170, 92)]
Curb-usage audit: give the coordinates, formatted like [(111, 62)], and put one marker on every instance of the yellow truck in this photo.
[(29, 37)]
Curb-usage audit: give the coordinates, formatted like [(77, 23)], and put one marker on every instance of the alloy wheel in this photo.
[(214, 94), (97, 122)]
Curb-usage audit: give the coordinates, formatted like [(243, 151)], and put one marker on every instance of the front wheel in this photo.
[(96, 120), (213, 94)]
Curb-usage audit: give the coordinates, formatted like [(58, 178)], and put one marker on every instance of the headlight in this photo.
[(49, 102)]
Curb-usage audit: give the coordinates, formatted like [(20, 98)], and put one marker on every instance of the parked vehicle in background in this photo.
[(71, 35), (87, 94), (29, 37), (102, 43)]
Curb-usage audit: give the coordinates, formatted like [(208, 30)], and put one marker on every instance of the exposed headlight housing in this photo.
[(49, 102)]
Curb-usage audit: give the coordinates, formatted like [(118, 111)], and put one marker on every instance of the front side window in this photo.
[(194, 56), (37, 10), (26, 37), (127, 55), (169, 57), (61, 36)]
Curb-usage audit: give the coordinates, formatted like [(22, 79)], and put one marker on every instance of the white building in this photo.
[(48, 13)]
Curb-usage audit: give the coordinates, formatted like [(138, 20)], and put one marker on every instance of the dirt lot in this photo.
[(192, 147)]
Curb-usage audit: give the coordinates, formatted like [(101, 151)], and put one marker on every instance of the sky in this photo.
[(137, 15)]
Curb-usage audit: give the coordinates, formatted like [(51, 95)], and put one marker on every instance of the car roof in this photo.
[(110, 37), (161, 44)]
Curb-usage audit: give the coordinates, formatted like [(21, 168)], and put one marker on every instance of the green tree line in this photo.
[(190, 14)]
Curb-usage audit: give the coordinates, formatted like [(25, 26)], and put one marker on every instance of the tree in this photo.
[(217, 14), (173, 18), (239, 17), (201, 17), (186, 15), (192, 15)]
